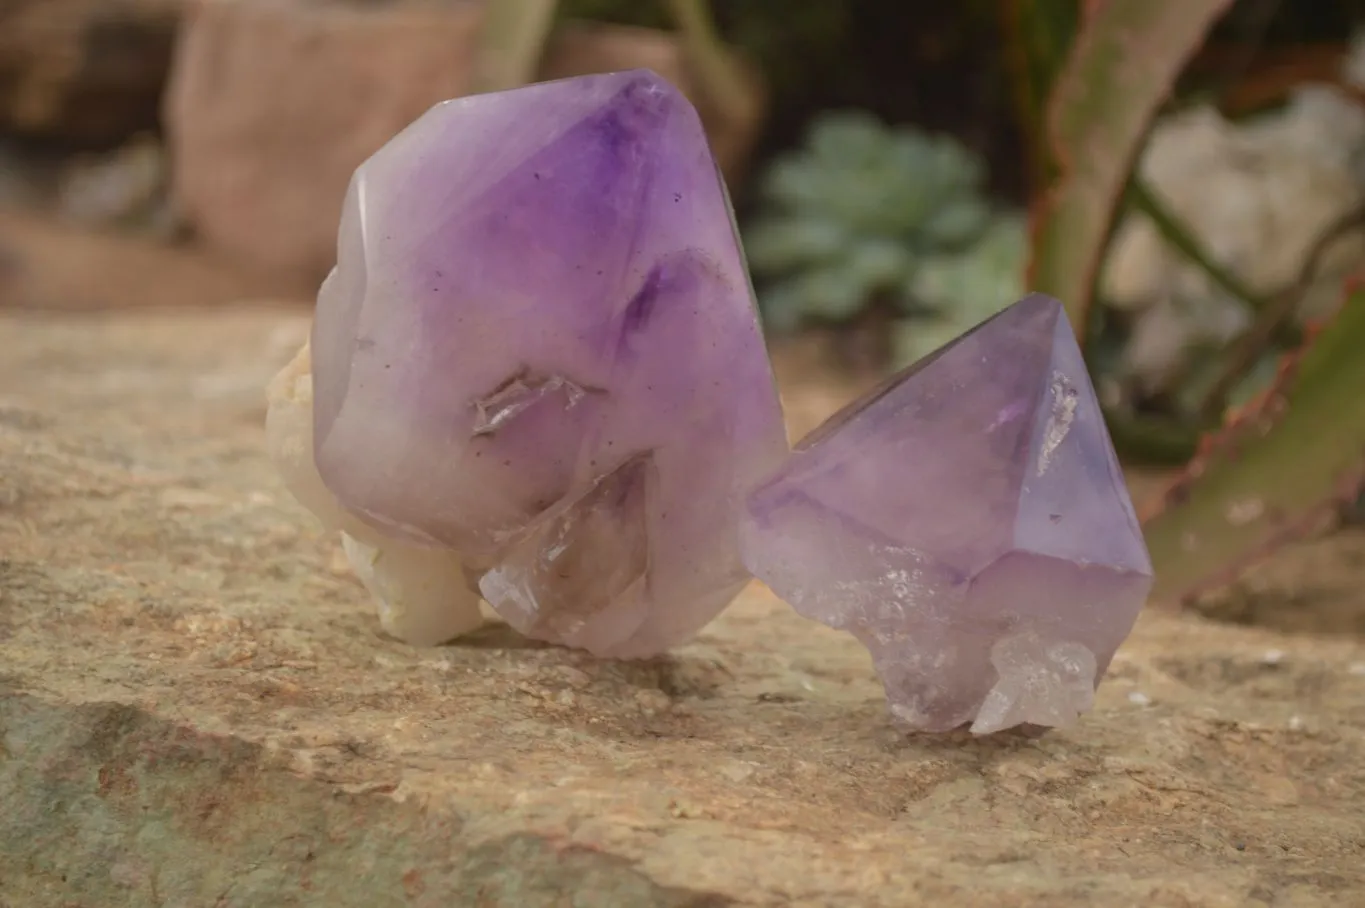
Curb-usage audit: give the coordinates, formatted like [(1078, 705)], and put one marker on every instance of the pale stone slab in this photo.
[(197, 708)]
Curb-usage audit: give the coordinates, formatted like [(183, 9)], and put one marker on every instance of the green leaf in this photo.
[(775, 246), (1125, 59), (1038, 35), (850, 217), (956, 223), (980, 281), (844, 138), (795, 182), (880, 264), (916, 338), (783, 308), (955, 168), (1274, 473), (834, 293)]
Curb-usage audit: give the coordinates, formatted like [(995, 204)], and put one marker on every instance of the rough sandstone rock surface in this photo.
[(196, 709)]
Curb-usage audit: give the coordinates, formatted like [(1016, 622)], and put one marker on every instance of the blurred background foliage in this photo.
[(889, 211), (888, 229), (1187, 175)]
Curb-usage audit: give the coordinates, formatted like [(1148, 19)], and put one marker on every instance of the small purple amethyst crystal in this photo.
[(539, 352), (969, 523)]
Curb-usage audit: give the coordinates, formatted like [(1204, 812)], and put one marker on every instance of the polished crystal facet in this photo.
[(969, 523), (539, 353)]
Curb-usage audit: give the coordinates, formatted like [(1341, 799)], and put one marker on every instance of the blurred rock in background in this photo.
[(1257, 194), (85, 72), (28, 179), (125, 188), (272, 104)]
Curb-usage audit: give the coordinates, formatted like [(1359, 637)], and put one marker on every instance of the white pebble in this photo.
[(1138, 698)]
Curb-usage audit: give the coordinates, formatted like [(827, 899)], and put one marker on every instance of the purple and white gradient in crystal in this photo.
[(539, 351), (968, 521)]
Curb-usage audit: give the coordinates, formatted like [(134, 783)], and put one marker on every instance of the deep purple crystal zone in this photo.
[(534, 290)]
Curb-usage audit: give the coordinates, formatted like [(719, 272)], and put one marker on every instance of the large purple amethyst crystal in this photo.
[(969, 523), (539, 353)]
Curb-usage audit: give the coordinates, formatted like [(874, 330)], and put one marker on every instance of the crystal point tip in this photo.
[(968, 521)]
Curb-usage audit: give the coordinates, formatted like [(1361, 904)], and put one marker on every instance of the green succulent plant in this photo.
[(966, 287), (868, 214)]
